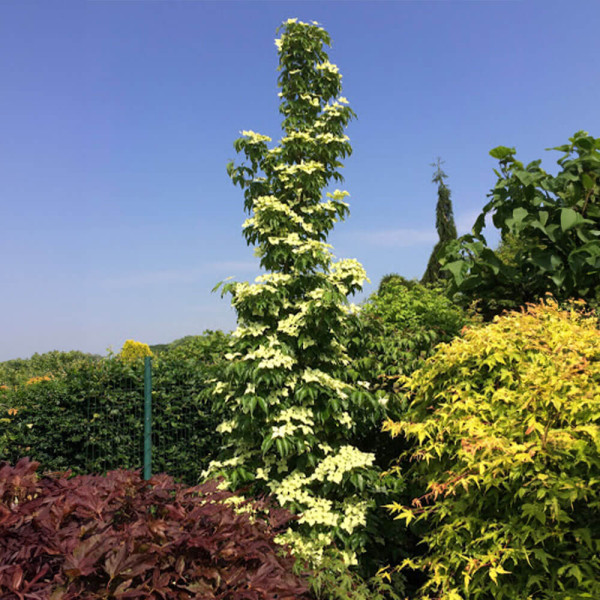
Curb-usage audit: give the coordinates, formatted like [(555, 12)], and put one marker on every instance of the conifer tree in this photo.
[(444, 223), (289, 384)]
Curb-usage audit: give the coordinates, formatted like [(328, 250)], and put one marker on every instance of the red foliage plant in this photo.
[(118, 537)]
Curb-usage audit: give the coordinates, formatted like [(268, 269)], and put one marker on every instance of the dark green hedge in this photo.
[(89, 416)]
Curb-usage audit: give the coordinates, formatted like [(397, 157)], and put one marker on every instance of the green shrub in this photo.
[(506, 431), (403, 322), (90, 418), (550, 226), (50, 364)]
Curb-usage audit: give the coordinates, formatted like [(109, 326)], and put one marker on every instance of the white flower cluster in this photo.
[(252, 330), (338, 195), (339, 387), (300, 246), (332, 108), (327, 138), (346, 420), (308, 167), (293, 322), (351, 309), (215, 465), (310, 549), (327, 66), (319, 512), (302, 416), (226, 426), (243, 289), (294, 489), (274, 278), (333, 467), (349, 270), (254, 137), (281, 431), (355, 515), (266, 204), (271, 356)]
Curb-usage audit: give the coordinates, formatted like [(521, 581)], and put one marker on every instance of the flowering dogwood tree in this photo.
[(289, 383)]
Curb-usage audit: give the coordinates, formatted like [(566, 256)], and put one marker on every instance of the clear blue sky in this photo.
[(117, 120)]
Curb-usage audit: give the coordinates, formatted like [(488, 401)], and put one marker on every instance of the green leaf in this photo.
[(519, 214), (569, 218), (587, 181), (525, 177), (458, 269), (558, 278), (585, 143), (502, 152)]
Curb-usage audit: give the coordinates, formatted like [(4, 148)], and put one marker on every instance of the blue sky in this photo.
[(117, 119)]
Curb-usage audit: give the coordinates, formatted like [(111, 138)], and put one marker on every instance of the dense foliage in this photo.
[(444, 224), (293, 399), (118, 537), (496, 494), (89, 416), (506, 428), (50, 364), (403, 323), (132, 350), (556, 220)]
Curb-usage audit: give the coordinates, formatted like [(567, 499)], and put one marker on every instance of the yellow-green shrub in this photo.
[(133, 350), (505, 424)]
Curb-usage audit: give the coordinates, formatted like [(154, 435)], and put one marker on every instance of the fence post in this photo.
[(147, 417)]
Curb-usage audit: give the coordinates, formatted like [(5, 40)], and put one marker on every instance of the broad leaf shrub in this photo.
[(118, 537), (506, 423), (89, 416), (552, 220), (401, 326), (293, 402)]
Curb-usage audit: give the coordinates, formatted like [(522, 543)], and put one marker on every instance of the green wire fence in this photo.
[(147, 414)]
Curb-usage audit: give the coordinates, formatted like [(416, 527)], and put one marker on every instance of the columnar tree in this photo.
[(289, 383), (444, 223)]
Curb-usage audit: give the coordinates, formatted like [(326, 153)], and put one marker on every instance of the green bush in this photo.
[(90, 417), (403, 322), (550, 227), (506, 431), (50, 364)]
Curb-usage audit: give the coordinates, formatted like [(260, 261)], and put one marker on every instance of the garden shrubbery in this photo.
[(404, 321), (549, 227), (88, 416), (505, 426), (18, 371), (118, 536), (497, 426)]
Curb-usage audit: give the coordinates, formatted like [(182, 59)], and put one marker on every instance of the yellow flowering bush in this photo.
[(133, 350)]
